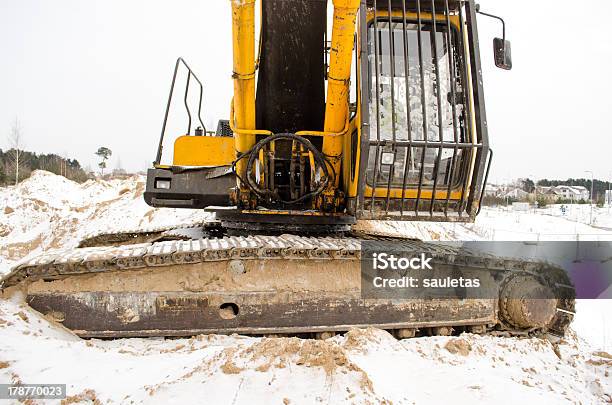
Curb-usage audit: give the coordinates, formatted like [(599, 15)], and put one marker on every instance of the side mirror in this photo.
[(501, 48), (503, 53)]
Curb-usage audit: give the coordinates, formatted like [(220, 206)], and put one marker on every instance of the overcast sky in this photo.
[(83, 74)]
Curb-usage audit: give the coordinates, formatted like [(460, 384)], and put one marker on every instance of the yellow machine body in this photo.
[(341, 138), (204, 151)]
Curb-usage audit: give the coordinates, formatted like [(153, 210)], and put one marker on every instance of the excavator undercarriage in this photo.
[(283, 284)]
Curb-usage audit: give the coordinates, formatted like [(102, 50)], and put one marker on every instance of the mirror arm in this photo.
[(497, 18)]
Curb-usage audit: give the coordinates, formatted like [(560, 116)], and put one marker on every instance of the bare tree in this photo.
[(15, 140)]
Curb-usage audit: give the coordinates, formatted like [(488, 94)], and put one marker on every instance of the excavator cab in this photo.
[(384, 120), (426, 148)]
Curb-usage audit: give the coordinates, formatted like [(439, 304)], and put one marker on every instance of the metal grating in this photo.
[(422, 155)]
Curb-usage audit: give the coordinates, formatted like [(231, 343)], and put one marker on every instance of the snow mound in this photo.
[(50, 188), (48, 211)]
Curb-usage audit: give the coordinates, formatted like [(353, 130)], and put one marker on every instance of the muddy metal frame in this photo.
[(471, 181)]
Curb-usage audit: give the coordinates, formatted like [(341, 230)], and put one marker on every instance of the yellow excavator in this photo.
[(379, 116)]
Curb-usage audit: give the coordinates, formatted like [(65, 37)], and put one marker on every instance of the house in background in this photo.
[(515, 193), (493, 190), (549, 194), (575, 193), (563, 192)]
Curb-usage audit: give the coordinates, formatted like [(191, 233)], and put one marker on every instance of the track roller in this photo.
[(477, 329), (324, 335), (405, 333), (442, 331)]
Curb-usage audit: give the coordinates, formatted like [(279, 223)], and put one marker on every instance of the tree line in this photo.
[(16, 164), (13, 170)]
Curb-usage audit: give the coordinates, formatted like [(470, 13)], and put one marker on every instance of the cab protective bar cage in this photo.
[(464, 151), (180, 61)]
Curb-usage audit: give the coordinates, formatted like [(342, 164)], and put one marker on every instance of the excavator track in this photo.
[(269, 285), (187, 231)]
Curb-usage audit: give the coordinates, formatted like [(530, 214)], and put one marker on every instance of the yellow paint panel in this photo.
[(411, 193), (425, 17), (204, 151)]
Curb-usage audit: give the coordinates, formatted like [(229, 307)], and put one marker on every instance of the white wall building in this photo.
[(515, 193), (492, 190), (575, 193)]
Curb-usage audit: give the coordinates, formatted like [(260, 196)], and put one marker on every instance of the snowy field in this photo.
[(546, 224), (362, 366)]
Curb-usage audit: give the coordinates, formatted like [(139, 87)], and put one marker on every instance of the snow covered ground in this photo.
[(48, 211), (547, 224), (363, 366)]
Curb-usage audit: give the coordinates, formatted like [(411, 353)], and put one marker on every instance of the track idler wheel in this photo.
[(526, 303)]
